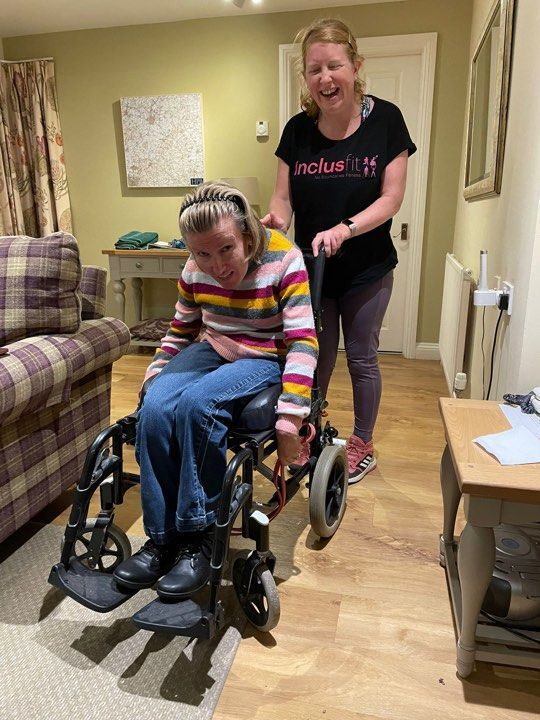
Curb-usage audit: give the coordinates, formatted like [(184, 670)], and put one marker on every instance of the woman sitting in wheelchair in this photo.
[(243, 322)]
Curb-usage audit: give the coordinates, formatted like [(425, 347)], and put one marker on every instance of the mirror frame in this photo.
[(490, 184)]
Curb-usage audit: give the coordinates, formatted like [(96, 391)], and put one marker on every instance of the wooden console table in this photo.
[(139, 264), (493, 494)]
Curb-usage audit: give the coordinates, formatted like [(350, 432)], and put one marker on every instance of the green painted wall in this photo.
[(507, 225), (233, 62)]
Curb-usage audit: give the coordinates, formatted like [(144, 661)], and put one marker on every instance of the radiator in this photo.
[(454, 312)]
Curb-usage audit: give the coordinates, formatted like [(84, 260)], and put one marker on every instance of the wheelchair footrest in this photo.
[(183, 617), (95, 590)]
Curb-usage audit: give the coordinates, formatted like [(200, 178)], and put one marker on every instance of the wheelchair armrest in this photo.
[(259, 413)]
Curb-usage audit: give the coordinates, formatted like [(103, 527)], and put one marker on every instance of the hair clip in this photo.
[(218, 197)]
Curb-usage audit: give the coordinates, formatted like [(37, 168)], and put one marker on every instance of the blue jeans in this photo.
[(181, 442)]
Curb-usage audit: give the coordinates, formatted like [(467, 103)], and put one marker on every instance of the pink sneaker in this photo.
[(302, 458), (361, 458)]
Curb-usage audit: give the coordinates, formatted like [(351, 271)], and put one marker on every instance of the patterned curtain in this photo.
[(34, 198)]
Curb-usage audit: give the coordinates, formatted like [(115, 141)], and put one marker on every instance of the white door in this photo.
[(398, 79), (398, 69)]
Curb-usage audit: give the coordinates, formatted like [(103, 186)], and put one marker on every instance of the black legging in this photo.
[(362, 312)]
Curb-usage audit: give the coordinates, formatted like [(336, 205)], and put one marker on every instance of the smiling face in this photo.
[(329, 76), (220, 252)]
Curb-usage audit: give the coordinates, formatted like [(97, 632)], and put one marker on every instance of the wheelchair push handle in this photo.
[(317, 278)]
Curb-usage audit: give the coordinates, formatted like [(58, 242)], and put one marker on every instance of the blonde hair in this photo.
[(326, 30), (213, 202)]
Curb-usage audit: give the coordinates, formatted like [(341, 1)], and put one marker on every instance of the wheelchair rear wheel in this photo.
[(328, 491), (115, 549), (261, 601)]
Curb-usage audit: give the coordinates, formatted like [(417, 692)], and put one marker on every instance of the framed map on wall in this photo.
[(163, 140)]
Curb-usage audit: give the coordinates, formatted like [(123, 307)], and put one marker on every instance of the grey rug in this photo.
[(58, 659)]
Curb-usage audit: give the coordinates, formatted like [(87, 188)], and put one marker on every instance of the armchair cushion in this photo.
[(40, 371), (97, 344), (39, 286), (93, 292), (35, 375)]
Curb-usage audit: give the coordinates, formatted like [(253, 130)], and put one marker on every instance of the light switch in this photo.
[(261, 128)]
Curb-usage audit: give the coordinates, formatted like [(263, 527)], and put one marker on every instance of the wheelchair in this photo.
[(92, 548)]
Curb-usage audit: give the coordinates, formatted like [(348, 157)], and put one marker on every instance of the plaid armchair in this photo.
[(56, 355)]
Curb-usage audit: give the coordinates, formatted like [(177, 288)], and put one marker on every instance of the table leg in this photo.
[(137, 285), (476, 559), (119, 289), (451, 494)]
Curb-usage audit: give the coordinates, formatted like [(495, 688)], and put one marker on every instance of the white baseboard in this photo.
[(427, 351)]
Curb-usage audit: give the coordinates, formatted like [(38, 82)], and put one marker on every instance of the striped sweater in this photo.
[(267, 316)]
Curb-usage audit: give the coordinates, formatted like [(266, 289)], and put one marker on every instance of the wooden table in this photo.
[(493, 494), (139, 264)]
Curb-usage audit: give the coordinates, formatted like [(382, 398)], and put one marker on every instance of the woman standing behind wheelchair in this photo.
[(342, 168), (243, 322)]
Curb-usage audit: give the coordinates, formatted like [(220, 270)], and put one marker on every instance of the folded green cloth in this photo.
[(132, 234), (135, 240)]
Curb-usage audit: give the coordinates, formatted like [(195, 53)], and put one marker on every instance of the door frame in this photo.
[(425, 45)]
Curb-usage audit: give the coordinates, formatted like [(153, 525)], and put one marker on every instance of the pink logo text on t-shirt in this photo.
[(351, 165)]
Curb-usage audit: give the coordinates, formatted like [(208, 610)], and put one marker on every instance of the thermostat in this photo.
[(261, 128)]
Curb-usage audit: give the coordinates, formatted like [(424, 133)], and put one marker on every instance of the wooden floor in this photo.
[(366, 630)]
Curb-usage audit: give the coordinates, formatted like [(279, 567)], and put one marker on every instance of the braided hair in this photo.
[(213, 202)]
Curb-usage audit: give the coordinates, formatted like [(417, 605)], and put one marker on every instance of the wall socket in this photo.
[(508, 289)]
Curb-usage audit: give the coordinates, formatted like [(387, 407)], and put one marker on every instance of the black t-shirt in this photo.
[(335, 179)]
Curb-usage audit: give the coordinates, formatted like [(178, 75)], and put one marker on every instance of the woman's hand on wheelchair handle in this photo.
[(332, 239), (289, 447)]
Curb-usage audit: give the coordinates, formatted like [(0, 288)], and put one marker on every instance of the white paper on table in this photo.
[(517, 446), (516, 417)]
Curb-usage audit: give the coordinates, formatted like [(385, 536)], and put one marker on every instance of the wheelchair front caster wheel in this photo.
[(260, 602), (328, 491), (115, 550)]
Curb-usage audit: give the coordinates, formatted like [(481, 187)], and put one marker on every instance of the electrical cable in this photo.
[(510, 629), (493, 351), (483, 354)]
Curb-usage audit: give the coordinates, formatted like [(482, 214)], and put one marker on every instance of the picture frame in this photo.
[(163, 140), (488, 104)]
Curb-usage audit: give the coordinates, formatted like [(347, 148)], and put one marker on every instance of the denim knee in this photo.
[(193, 409), (152, 413)]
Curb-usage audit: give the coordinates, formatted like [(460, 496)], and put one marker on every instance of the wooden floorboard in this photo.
[(366, 631)]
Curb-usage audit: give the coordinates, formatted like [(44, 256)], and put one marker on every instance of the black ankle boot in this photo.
[(191, 570), (146, 566)]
